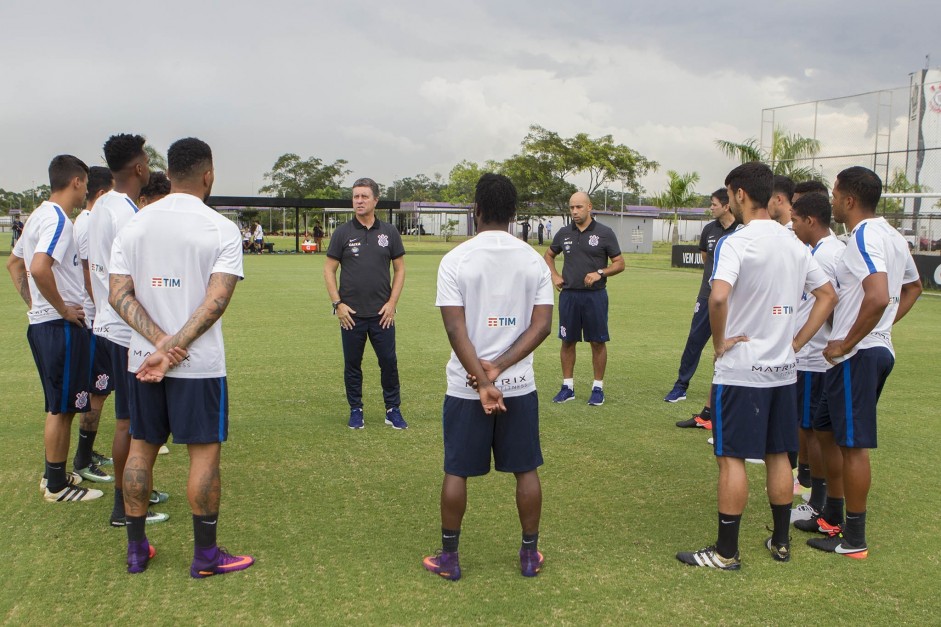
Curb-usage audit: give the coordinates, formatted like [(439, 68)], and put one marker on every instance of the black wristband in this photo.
[(335, 305)]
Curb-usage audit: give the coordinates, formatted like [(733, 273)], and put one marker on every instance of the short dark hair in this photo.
[(814, 205), (99, 178), (371, 184), (755, 178), (783, 185), (862, 184), (722, 195), (64, 168), (810, 187), (121, 150), (158, 187), (495, 196), (188, 156)]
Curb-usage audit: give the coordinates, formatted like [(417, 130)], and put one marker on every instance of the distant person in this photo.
[(365, 301), (496, 354), (549, 229), (318, 236), (246, 238), (541, 231), (196, 277), (526, 227), (759, 274), (46, 272), (17, 231), (258, 237), (156, 188), (583, 302), (779, 205)]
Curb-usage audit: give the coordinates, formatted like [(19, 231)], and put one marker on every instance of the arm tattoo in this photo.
[(125, 303), (23, 286)]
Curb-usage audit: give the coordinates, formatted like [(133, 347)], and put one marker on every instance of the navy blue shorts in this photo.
[(852, 390), (753, 422), (60, 350), (120, 377), (583, 315), (101, 381), (194, 411), (810, 386), (470, 435)]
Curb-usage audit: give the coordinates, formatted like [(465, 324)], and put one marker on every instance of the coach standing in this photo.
[(583, 303), (365, 301)]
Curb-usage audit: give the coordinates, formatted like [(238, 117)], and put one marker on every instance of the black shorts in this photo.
[(101, 379), (470, 435), (120, 377), (753, 422), (60, 350), (810, 386), (194, 411), (583, 314), (852, 389)]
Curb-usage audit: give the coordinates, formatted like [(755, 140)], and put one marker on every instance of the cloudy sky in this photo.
[(412, 86)]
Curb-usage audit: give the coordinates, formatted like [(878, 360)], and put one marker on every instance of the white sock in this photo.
[(569, 383), (598, 384)]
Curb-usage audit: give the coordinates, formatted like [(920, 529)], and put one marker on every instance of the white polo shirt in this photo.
[(769, 270), (112, 212), (873, 246), (827, 254), (497, 279), (80, 232), (49, 231), (170, 250)]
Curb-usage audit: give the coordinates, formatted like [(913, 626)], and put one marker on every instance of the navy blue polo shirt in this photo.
[(585, 251), (711, 234), (364, 256)]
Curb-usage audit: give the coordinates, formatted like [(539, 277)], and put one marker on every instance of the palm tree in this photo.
[(157, 160), (679, 193), (787, 151)]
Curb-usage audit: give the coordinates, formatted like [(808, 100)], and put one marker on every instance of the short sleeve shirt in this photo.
[(874, 246), (170, 250), (711, 234), (827, 254), (80, 232), (769, 270), (585, 251), (111, 213), (364, 256), (498, 303)]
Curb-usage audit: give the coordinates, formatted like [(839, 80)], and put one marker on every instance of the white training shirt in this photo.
[(769, 269), (112, 212), (497, 279), (170, 249), (80, 232), (827, 254), (49, 231), (259, 233), (873, 246)]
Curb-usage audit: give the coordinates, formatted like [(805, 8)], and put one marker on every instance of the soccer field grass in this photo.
[(339, 520)]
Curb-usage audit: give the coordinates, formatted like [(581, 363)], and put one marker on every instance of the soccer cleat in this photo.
[(71, 477), (530, 562), (356, 419), (780, 552), (72, 493), (152, 518), (139, 553), (565, 394), (798, 488), (157, 497), (675, 395), (444, 564), (163, 450), (95, 474), (817, 524), (695, 422), (100, 460), (803, 512), (838, 544), (597, 397), (710, 558), (217, 561), (394, 418)]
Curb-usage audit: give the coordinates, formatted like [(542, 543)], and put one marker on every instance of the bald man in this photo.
[(583, 302)]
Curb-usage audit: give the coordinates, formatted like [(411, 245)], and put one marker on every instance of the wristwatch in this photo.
[(601, 272), (336, 304)]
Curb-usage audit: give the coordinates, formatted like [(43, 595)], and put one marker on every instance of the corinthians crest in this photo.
[(593, 240), (383, 240), (102, 382)]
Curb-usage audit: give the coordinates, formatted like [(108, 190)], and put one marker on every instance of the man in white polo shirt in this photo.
[(174, 268), (759, 275), (495, 296), (878, 285)]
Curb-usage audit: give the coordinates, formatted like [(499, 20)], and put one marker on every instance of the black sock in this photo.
[(833, 511), (135, 528), (781, 515), (792, 457), (803, 474), (86, 441), (55, 476), (117, 511), (818, 493), (727, 544), (855, 530), (450, 539), (530, 541), (204, 530), (706, 413)]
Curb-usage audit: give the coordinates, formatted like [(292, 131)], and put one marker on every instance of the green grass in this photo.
[(339, 520)]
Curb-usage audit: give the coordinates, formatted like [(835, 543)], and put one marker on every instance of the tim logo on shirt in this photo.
[(166, 282), (781, 310), (499, 321)]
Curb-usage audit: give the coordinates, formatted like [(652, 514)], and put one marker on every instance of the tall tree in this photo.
[(417, 188), (462, 183), (293, 177), (787, 153), (679, 193)]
